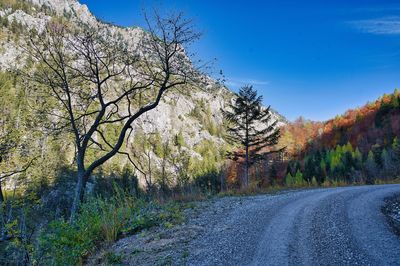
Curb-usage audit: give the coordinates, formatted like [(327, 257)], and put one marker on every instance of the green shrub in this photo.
[(101, 220), (179, 140), (68, 243)]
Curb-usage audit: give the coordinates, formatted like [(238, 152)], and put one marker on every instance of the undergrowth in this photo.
[(103, 221)]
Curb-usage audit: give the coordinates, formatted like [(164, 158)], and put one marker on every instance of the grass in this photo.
[(102, 222), (188, 197), (382, 182), (114, 259), (253, 189), (250, 190)]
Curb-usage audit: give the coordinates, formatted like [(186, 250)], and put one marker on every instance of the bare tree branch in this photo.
[(92, 80)]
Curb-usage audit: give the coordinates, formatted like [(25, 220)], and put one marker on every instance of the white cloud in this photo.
[(375, 9), (382, 26), (231, 82)]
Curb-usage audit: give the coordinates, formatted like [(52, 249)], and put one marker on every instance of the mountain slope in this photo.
[(361, 145), (194, 117), (376, 122)]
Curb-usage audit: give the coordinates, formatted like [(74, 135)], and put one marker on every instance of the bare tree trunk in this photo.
[(2, 222), (247, 149), (77, 196), (1, 193)]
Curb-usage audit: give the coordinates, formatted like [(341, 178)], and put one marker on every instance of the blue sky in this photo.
[(313, 59)]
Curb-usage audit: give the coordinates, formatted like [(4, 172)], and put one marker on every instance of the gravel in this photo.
[(336, 226), (392, 211)]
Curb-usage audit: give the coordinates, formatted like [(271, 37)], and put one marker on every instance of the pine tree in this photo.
[(396, 148), (314, 181), (323, 171), (388, 163), (299, 181), (377, 152), (396, 155), (310, 167), (348, 164), (371, 168), (292, 167), (273, 175), (348, 148), (289, 180), (357, 159), (252, 127), (179, 140)]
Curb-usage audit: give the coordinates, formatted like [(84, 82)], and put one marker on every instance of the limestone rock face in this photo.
[(196, 115)]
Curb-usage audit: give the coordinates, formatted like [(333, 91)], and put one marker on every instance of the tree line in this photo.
[(347, 165)]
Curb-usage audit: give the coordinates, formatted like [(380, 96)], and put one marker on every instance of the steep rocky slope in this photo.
[(195, 116)]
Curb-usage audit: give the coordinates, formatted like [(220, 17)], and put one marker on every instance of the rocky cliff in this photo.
[(196, 116)]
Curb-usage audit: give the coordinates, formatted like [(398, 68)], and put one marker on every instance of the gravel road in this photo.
[(337, 226)]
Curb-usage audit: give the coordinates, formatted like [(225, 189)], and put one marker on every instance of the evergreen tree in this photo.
[(389, 164), (179, 140), (396, 148), (252, 127), (357, 159), (323, 175), (292, 167), (377, 152), (314, 181), (289, 180), (299, 181), (310, 166), (396, 155), (273, 175), (347, 160), (371, 168)]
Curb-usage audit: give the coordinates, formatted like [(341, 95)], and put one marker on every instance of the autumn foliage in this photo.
[(350, 144), (344, 141), (374, 123)]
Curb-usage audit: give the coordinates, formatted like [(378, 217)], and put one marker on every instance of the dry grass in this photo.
[(188, 197), (253, 189)]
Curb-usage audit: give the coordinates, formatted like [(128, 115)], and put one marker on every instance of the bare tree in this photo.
[(181, 164), (90, 80), (163, 173), (141, 155)]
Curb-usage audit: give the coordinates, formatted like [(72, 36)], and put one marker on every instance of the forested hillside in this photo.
[(186, 121), (193, 117), (360, 145)]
